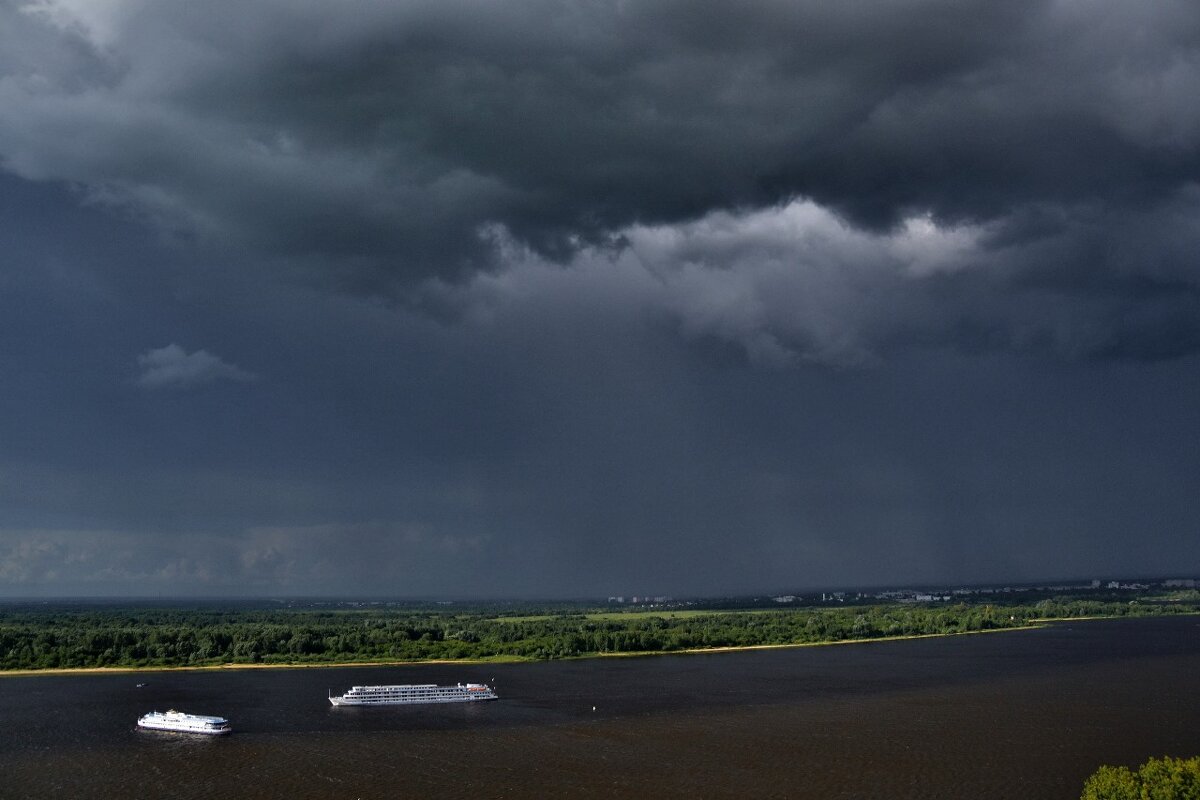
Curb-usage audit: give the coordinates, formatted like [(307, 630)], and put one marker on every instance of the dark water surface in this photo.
[(1023, 714)]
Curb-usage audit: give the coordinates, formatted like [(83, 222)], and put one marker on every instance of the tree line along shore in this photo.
[(85, 637)]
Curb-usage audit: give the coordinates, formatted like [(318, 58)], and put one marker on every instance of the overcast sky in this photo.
[(596, 297)]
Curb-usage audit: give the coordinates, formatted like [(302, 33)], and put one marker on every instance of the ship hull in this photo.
[(173, 729), (341, 701)]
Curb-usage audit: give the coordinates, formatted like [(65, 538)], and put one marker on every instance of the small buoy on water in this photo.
[(593, 708)]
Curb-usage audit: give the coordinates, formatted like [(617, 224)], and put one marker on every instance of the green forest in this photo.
[(57, 637), (1158, 779)]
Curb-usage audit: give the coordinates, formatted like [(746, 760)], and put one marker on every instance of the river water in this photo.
[(1021, 714)]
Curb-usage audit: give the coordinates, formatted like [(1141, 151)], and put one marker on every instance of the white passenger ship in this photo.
[(179, 722), (413, 693)]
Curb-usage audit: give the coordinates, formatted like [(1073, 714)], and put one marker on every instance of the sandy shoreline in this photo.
[(499, 659)]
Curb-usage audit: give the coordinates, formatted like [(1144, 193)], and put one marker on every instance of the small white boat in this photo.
[(178, 722)]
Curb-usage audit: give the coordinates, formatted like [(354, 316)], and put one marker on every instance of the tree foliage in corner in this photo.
[(1158, 779)]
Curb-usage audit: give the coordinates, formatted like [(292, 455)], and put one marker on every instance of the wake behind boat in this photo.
[(413, 693), (178, 722)]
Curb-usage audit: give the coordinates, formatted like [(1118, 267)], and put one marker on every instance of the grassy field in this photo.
[(622, 616)]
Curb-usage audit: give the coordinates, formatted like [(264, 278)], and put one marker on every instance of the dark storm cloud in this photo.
[(387, 143), (795, 284), (559, 297), (392, 131)]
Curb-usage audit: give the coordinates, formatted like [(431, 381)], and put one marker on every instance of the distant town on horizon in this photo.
[(919, 593)]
